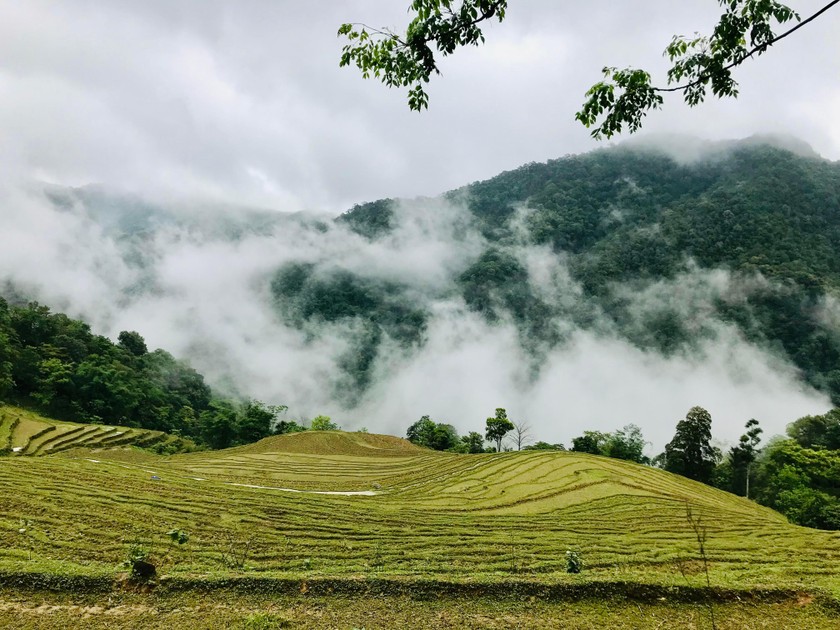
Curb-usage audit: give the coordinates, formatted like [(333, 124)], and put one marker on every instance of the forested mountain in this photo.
[(627, 222), (663, 261)]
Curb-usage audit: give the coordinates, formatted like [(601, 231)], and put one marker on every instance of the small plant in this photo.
[(234, 549), (265, 621), (516, 564), (138, 561), (377, 561), (137, 552), (701, 535), (178, 536), (574, 563), (177, 539)]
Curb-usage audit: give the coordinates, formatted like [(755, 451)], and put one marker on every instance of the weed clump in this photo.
[(265, 621)]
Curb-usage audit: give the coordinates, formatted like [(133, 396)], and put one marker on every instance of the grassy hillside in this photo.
[(411, 512), (264, 521), (24, 432)]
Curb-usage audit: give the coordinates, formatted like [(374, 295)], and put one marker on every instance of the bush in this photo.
[(574, 563), (324, 423), (138, 561)]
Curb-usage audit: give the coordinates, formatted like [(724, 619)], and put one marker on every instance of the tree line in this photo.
[(55, 364)]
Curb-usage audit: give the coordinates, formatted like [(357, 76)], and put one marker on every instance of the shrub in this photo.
[(574, 563), (138, 561)]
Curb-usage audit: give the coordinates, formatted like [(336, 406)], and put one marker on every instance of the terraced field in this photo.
[(324, 514), (23, 433)]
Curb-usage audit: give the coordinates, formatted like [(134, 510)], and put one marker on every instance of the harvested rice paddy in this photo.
[(353, 517)]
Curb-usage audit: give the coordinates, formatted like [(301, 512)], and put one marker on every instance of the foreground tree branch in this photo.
[(625, 96), (621, 100)]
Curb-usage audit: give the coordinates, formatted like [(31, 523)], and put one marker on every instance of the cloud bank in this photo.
[(200, 289)]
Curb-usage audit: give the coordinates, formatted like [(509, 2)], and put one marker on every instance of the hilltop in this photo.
[(333, 443), (662, 251)]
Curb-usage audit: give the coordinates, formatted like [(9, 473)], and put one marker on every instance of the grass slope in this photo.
[(24, 432), (430, 525)]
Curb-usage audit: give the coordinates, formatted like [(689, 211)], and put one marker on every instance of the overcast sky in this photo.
[(244, 101)]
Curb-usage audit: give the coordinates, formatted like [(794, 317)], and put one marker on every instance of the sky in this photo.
[(207, 104), (244, 102)]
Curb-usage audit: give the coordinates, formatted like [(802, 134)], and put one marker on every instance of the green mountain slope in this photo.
[(633, 227)]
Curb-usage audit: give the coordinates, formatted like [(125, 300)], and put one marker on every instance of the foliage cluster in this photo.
[(56, 364), (372, 311), (372, 219), (443, 437), (624, 96), (626, 443), (799, 475)]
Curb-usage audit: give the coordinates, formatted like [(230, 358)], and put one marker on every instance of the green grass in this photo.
[(436, 525), (8, 423)]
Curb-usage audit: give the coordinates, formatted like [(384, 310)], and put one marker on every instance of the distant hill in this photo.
[(334, 443)]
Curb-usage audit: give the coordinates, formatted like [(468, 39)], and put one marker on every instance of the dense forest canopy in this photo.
[(631, 216), (56, 364)]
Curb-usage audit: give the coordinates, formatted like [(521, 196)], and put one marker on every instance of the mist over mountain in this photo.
[(623, 285)]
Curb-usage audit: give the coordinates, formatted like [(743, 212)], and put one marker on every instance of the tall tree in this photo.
[(691, 453), (219, 424), (133, 342), (420, 432), (257, 420), (622, 98), (744, 454), (498, 427)]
